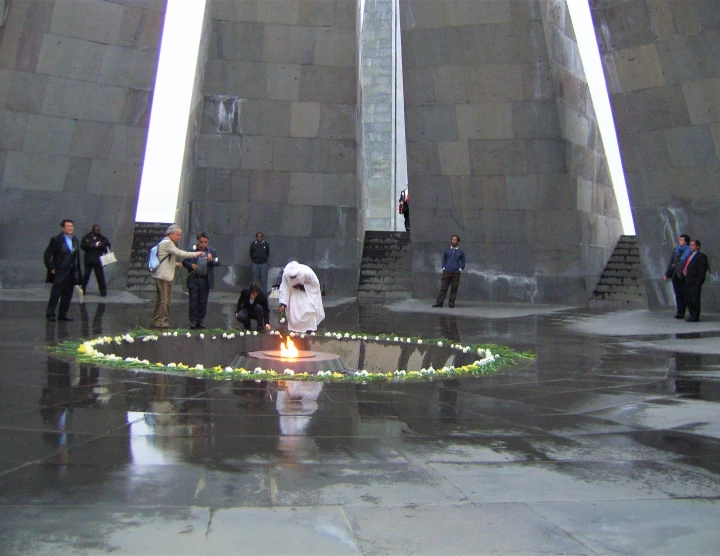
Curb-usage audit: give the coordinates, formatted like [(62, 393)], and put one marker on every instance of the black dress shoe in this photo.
[(67, 319), (451, 305), (51, 318), (200, 326), (692, 319), (437, 304), (679, 317)]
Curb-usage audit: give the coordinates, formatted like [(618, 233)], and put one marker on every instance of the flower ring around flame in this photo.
[(98, 352)]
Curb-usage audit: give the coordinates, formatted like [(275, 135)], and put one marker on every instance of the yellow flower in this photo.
[(159, 364)]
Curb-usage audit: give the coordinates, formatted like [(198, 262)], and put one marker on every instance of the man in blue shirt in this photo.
[(674, 273), (453, 262)]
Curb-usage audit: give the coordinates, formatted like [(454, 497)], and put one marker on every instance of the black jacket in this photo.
[(697, 269), (259, 252), (404, 204), (58, 257), (92, 251), (261, 299), (192, 278)]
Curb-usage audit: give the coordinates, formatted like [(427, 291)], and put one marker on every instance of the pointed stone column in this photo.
[(384, 173)]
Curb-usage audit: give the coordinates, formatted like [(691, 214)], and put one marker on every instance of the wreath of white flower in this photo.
[(98, 351)]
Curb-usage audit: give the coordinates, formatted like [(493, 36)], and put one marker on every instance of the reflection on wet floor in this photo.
[(589, 420)]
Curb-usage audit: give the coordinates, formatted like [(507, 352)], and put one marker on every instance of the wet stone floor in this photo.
[(608, 442)]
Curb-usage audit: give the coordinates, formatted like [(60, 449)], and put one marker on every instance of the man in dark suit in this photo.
[(94, 244), (62, 260), (200, 279), (694, 271), (253, 304)]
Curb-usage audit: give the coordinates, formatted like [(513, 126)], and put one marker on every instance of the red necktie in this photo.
[(686, 264)]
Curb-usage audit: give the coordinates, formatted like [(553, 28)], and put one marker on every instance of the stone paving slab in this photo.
[(98, 530), (476, 529), (579, 481), (638, 526)]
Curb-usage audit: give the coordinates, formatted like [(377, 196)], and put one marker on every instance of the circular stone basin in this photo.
[(306, 361)]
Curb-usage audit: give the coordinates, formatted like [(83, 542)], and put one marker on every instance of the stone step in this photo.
[(635, 267), (372, 234), (384, 253), (390, 262), (617, 304), (618, 273), (621, 297), (387, 271), (627, 281), (388, 283), (383, 295), (619, 259), (604, 288)]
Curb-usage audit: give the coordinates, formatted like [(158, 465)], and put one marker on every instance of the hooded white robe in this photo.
[(304, 308)]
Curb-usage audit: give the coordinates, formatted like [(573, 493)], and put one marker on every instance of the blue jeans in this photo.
[(260, 273)]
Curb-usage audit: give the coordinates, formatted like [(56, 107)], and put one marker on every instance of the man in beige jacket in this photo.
[(165, 274)]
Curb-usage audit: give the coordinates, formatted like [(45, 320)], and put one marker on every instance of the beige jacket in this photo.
[(166, 270)]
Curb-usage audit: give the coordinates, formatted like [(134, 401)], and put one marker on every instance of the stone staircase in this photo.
[(621, 284), (146, 235), (386, 267)]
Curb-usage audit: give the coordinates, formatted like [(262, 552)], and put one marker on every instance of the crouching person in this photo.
[(253, 305)]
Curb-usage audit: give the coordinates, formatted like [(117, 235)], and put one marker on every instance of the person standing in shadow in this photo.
[(259, 255), (200, 280), (453, 263), (404, 207), (694, 271), (94, 244), (674, 273), (62, 261)]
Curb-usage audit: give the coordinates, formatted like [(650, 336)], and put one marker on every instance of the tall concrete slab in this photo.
[(76, 78), (587, 168), (496, 159), (276, 143), (661, 64)]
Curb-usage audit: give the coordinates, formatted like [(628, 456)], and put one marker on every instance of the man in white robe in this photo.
[(300, 298)]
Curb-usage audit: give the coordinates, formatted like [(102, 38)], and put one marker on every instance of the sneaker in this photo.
[(451, 305)]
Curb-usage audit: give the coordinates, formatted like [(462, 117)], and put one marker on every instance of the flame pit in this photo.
[(289, 357)]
